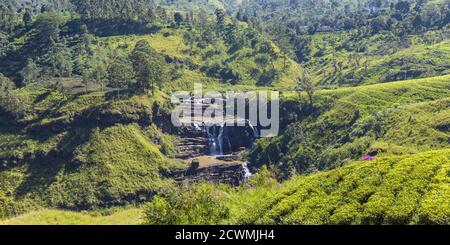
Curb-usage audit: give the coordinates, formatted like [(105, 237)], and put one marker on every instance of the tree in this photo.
[(305, 84), (142, 68), (262, 60), (150, 67), (220, 18), (378, 24), (99, 74), (403, 7), (120, 74), (30, 72), (3, 43), (417, 22), (143, 46), (6, 86), (27, 17), (178, 18), (86, 79), (267, 48), (59, 58), (10, 101), (193, 205), (8, 16), (85, 36), (48, 28)]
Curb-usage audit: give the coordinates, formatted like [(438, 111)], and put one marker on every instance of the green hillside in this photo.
[(409, 189), (393, 118), (85, 112), (82, 152), (222, 63)]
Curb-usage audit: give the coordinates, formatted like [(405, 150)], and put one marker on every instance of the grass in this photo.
[(132, 216), (64, 156)]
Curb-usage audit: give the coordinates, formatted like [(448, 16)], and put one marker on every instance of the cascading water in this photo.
[(255, 130), (215, 139), (247, 173), (220, 139)]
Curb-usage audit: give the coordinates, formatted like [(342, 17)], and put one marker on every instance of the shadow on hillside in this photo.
[(112, 27), (43, 168)]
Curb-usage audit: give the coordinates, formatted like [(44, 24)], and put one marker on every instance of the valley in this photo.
[(86, 112)]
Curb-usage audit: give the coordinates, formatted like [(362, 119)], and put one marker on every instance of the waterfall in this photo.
[(247, 173), (215, 139), (196, 126), (255, 130), (220, 139)]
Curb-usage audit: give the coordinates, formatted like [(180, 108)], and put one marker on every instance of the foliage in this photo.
[(390, 190), (196, 205), (79, 131), (348, 123)]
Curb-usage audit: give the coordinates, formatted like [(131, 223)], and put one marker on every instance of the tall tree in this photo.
[(59, 58), (27, 17), (120, 74), (86, 79), (220, 19), (30, 72), (10, 101), (305, 84), (178, 18), (99, 74), (150, 67)]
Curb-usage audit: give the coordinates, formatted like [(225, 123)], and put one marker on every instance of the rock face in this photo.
[(213, 146), (193, 144), (196, 141), (230, 173)]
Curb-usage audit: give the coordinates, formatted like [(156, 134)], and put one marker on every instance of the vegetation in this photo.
[(85, 110), (130, 216), (198, 205), (409, 189), (345, 124)]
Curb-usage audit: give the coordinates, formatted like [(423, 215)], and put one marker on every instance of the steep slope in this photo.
[(83, 152)]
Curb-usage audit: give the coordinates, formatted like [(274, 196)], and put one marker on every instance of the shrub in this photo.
[(195, 205)]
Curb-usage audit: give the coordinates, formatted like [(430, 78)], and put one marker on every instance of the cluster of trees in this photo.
[(57, 48), (8, 16), (142, 11), (236, 37), (290, 22), (62, 46), (308, 17)]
